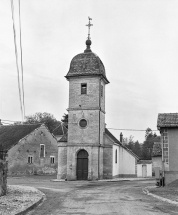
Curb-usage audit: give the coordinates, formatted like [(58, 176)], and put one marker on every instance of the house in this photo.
[(89, 151), (157, 156), (59, 131), (144, 168), (31, 149), (167, 124)]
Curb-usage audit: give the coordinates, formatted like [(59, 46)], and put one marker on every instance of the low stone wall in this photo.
[(31, 169), (3, 177)]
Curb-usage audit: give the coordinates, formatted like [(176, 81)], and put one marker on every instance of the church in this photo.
[(89, 151)]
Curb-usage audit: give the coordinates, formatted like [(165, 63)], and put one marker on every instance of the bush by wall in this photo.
[(3, 177)]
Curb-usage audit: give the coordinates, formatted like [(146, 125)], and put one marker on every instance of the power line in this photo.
[(125, 129), (21, 59), (16, 54)]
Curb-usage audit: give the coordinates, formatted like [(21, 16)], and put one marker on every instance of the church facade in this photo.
[(89, 151)]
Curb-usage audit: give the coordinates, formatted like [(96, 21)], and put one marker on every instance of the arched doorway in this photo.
[(82, 165)]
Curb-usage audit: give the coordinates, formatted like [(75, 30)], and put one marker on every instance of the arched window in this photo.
[(116, 156)]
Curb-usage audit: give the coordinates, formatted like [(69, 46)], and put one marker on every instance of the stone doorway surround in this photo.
[(82, 165)]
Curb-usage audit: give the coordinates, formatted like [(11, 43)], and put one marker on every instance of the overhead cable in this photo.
[(125, 129), (16, 55), (21, 61)]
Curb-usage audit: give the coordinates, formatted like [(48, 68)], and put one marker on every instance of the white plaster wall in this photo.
[(149, 170), (115, 165), (139, 170), (126, 162)]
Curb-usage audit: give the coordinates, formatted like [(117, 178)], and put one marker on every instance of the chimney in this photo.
[(121, 137)]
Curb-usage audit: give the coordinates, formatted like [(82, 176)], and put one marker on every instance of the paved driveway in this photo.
[(86, 198)]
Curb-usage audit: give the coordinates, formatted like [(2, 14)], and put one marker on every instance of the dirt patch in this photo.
[(18, 199)]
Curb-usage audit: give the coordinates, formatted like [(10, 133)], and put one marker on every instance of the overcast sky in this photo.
[(136, 40)]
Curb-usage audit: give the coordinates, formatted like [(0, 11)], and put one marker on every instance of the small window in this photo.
[(101, 90), (52, 159), (116, 156), (83, 123), (83, 88), (42, 150), (30, 159)]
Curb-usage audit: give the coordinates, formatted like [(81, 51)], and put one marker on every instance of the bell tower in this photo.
[(87, 80)]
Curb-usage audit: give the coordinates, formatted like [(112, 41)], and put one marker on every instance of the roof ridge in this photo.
[(57, 126), (23, 124)]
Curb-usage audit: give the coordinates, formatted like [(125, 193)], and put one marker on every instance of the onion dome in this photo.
[(87, 64)]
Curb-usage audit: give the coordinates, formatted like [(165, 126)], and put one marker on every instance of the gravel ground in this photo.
[(170, 193), (18, 199)]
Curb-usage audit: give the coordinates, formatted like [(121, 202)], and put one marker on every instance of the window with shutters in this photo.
[(52, 160), (30, 159), (83, 88), (42, 150)]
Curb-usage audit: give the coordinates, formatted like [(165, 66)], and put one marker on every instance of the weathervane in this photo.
[(89, 25)]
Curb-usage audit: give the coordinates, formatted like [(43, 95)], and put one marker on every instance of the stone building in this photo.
[(157, 156), (89, 151), (167, 124), (31, 149), (59, 131)]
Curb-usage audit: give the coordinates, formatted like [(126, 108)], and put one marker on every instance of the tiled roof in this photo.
[(112, 136), (167, 120), (59, 130), (157, 150), (118, 142), (11, 134), (86, 64), (144, 162), (64, 138)]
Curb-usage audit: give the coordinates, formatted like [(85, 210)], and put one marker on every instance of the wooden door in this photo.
[(144, 171), (82, 165)]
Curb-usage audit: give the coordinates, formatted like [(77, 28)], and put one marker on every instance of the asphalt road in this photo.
[(86, 198)]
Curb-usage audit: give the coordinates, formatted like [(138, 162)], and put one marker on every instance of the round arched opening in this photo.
[(82, 165)]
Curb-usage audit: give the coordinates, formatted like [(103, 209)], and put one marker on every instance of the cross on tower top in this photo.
[(89, 25)]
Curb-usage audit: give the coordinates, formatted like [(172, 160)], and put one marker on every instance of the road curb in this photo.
[(125, 179), (32, 206), (145, 191)]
